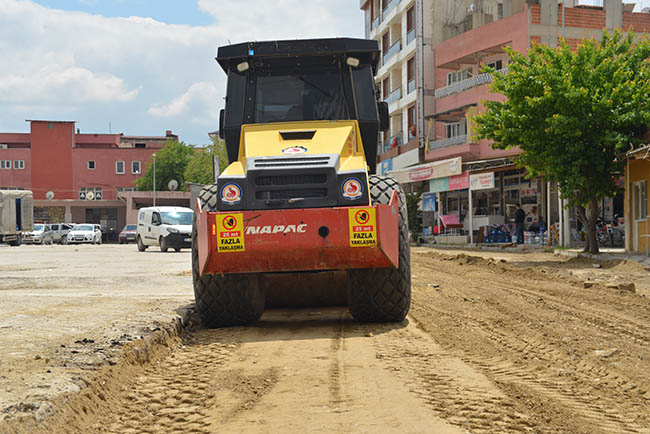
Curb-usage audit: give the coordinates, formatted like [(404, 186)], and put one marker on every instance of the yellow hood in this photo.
[(305, 138)]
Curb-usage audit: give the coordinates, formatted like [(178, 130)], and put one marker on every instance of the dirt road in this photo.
[(519, 343)]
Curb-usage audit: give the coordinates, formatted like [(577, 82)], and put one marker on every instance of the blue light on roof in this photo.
[(251, 52)]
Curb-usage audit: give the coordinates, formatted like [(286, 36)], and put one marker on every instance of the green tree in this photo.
[(199, 168), (413, 201), (171, 162), (572, 114)]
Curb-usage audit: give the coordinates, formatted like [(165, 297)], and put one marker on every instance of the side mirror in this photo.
[(222, 116), (384, 118)]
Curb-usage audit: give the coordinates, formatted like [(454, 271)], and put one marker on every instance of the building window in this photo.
[(385, 43), (90, 193), (497, 65), (141, 145), (456, 76), (410, 19), (454, 129), (135, 167), (50, 125), (499, 11), (91, 165), (5, 164), (119, 167), (640, 195), (19, 164), (412, 123), (123, 189), (385, 86)]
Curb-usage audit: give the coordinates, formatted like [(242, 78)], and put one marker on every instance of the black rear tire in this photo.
[(229, 300), (384, 294)]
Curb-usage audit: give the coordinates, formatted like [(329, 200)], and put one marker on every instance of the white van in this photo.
[(164, 226)]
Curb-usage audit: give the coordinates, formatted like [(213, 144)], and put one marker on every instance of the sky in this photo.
[(140, 66)]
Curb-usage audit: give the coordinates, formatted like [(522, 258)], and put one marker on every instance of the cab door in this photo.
[(154, 228)]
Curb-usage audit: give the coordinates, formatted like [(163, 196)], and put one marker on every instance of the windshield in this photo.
[(176, 218), (79, 228), (130, 228), (38, 228), (299, 94)]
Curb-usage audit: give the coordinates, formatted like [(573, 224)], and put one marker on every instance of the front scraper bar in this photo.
[(308, 239)]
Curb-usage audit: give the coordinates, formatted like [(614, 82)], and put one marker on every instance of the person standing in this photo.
[(520, 216)]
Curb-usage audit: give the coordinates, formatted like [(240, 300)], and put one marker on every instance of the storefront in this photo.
[(637, 222)]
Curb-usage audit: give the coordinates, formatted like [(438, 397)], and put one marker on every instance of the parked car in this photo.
[(42, 234), (85, 233), (128, 234), (164, 226), (60, 232)]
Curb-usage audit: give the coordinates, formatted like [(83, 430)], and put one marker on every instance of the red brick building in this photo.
[(78, 177)]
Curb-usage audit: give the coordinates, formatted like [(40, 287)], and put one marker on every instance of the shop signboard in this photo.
[(428, 202), (386, 166), (449, 183), (406, 159), (424, 172), (481, 181)]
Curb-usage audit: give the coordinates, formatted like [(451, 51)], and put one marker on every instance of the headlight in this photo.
[(172, 230)]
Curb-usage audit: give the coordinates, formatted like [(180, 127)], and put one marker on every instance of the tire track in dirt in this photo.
[(523, 360), (450, 388)]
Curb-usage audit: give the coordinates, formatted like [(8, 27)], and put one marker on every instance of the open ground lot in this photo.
[(495, 342)]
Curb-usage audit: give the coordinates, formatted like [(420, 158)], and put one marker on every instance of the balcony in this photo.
[(451, 141), (376, 22), (395, 95), (390, 142), (463, 85), (410, 36), (394, 49), (411, 86), (389, 7)]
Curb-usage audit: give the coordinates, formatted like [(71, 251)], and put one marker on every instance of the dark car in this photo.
[(128, 234)]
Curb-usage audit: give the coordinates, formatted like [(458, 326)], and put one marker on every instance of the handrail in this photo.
[(460, 86), (451, 141), (395, 48), (394, 95)]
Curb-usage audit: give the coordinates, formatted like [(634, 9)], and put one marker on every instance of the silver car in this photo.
[(42, 234), (60, 232)]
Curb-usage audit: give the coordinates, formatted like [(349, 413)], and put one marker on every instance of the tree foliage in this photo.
[(171, 162), (199, 168), (572, 113), (413, 201)]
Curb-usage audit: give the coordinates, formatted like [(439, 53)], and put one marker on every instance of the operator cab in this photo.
[(306, 80)]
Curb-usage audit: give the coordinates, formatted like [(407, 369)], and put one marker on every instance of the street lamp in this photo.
[(154, 179)]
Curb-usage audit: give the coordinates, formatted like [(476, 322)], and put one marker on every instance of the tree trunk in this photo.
[(582, 216), (591, 226)]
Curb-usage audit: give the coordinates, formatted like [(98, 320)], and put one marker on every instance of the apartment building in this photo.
[(399, 27), (461, 86)]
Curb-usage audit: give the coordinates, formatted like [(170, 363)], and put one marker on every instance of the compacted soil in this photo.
[(496, 342)]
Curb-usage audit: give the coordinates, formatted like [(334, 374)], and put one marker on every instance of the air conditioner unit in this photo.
[(471, 9)]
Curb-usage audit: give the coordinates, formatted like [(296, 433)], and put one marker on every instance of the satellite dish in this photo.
[(90, 195), (49, 195), (173, 185)]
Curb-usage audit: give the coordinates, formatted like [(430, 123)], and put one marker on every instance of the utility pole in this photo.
[(154, 179)]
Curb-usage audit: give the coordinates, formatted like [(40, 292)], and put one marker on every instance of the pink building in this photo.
[(80, 177)]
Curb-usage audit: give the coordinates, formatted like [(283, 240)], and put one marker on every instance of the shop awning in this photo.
[(452, 115), (491, 164)]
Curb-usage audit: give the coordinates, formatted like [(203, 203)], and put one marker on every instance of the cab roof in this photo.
[(366, 50)]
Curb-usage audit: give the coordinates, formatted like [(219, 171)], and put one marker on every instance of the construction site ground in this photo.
[(103, 339)]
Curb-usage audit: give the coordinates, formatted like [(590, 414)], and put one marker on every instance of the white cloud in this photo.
[(141, 74), (52, 83), (200, 100)]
